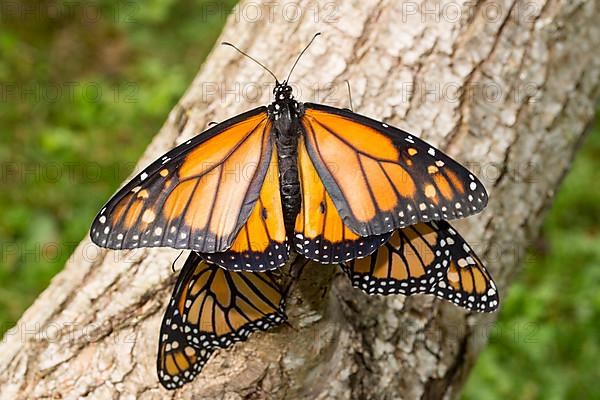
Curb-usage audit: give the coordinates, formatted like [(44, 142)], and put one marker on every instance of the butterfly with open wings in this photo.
[(329, 183)]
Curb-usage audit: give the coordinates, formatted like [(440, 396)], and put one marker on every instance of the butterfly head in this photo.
[(284, 107), (283, 92)]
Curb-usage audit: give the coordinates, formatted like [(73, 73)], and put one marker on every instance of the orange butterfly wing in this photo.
[(221, 307), (212, 308), (381, 178), (430, 258), (197, 196), (178, 362), (262, 243), (320, 234)]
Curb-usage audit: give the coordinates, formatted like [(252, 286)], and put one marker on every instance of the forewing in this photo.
[(466, 282), (220, 307), (262, 242), (410, 262), (212, 308), (197, 196), (381, 178), (178, 362)]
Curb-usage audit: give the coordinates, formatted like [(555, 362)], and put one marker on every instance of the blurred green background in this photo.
[(81, 96)]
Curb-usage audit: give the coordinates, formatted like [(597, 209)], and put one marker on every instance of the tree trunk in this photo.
[(506, 87)]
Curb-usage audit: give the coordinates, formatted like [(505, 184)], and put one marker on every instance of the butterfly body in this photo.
[(285, 112)]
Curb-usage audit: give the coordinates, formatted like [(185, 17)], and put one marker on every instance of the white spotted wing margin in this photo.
[(197, 196), (211, 308), (427, 258), (178, 362)]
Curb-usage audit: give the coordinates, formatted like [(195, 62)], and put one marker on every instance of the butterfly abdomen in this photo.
[(289, 182)]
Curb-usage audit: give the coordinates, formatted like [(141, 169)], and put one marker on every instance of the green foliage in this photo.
[(549, 344)]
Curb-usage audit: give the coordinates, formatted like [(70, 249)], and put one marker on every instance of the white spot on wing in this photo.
[(148, 216)]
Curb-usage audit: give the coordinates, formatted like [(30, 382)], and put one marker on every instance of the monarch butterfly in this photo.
[(329, 182), (212, 308), (430, 258)]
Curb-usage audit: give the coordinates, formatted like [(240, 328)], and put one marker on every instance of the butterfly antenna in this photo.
[(250, 57), (300, 56), (350, 95)]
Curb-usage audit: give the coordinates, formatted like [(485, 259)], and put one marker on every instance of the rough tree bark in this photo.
[(528, 75)]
